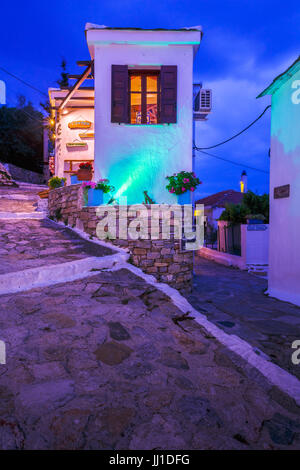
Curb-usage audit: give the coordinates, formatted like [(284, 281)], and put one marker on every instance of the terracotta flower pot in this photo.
[(84, 175)]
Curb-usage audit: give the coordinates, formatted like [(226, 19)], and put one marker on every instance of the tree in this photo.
[(63, 81), (252, 205), (21, 135)]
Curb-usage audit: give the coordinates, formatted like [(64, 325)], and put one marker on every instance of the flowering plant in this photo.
[(86, 166), (101, 184), (181, 182)]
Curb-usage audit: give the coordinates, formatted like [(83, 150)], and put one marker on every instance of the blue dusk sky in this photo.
[(246, 43)]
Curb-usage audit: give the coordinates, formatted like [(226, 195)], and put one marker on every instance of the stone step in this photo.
[(23, 215), (17, 205)]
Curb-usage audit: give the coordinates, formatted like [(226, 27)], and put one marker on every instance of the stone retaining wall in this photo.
[(166, 259), (27, 176)]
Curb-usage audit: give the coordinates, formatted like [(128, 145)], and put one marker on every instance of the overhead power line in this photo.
[(23, 81), (239, 133), (231, 161)]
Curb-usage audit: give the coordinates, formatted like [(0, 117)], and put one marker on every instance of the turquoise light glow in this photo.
[(286, 113)]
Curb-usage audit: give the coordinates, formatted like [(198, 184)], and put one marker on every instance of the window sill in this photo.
[(144, 125)]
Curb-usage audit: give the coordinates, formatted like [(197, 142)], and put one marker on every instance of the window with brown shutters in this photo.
[(144, 96), (119, 93)]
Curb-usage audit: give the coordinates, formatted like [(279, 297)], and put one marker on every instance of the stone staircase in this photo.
[(22, 202)]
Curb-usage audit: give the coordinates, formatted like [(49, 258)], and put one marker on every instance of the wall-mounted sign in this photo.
[(87, 135), (76, 144), (256, 227), (79, 125), (282, 191)]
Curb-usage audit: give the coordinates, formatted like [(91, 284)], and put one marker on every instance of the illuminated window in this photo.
[(144, 97)]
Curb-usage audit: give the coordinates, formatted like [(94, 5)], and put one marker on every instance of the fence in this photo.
[(229, 239)]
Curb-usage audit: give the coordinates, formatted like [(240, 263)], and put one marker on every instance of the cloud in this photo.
[(238, 74)]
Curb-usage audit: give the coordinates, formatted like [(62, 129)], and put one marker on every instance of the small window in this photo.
[(144, 96), (143, 100)]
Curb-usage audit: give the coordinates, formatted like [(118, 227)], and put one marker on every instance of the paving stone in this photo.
[(117, 331), (117, 419), (56, 392), (197, 409), (171, 358), (112, 353), (282, 429), (138, 369)]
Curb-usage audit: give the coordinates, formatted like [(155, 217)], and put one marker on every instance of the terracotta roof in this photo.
[(230, 196)]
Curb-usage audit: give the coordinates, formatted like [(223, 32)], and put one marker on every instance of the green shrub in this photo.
[(252, 206), (56, 182)]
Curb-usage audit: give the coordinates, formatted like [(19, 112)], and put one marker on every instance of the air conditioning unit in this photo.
[(202, 102)]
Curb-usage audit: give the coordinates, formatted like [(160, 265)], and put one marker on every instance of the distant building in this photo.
[(215, 204), (284, 257)]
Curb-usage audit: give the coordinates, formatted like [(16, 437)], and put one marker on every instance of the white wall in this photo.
[(284, 260), (255, 245), (64, 134), (139, 157)]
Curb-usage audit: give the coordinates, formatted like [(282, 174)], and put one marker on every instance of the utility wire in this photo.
[(236, 135), (230, 161), (23, 81)]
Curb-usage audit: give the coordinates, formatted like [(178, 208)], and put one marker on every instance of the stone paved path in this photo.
[(28, 244), (100, 363), (20, 199), (235, 301)]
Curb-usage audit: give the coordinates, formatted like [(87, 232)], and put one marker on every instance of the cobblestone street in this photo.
[(99, 364), (109, 362), (235, 301)]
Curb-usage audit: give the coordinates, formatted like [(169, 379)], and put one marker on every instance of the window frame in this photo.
[(144, 73)]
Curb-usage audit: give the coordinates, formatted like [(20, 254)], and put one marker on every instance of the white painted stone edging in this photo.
[(21, 215), (56, 273), (283, 380)]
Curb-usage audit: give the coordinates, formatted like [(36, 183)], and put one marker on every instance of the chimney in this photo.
[(244, 182)]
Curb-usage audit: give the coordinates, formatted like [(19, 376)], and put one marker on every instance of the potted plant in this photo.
[(85, 172), (182, 184), (74, 179), (93, 192), (56, 182)]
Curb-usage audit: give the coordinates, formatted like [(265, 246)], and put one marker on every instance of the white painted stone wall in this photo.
[(139, 157)]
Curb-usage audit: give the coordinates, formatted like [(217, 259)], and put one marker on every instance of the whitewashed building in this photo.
[(141, 109), (284, 249)]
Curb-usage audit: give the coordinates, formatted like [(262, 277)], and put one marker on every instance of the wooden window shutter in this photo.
[(119, 93), (168, 107)]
